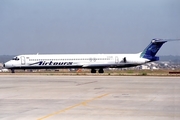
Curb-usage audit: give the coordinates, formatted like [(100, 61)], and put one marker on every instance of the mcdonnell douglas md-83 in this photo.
[(95, 62)]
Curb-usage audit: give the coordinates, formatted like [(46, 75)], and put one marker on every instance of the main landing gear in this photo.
[(93, 71), (99, 71)]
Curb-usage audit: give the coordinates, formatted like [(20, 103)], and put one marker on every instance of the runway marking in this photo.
[(84, 103), (86, 83)]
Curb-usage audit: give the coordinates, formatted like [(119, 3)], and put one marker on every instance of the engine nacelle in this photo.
[(135, 60)]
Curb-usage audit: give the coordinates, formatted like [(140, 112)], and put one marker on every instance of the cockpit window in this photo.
[(15, 58)]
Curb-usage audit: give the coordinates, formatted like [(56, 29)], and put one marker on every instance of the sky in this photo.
[(87, 26)]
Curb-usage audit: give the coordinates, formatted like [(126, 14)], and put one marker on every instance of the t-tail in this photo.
[(151, 50)]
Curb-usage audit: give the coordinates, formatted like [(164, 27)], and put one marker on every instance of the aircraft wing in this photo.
[(97, 65)]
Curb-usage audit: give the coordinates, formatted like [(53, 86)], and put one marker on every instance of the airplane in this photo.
[(95, 62)]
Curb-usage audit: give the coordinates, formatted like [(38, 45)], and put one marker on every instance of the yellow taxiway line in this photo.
[(73, 106)]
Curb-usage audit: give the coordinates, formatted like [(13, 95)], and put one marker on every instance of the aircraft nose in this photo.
[(7, 65)]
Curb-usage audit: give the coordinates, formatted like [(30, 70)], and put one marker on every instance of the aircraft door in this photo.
[(23, 61), (116, 60)]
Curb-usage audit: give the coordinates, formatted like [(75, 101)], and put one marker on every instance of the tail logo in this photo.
[(151, 50), (154, 48)]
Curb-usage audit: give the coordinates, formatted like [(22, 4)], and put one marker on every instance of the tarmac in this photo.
[(38, 97)]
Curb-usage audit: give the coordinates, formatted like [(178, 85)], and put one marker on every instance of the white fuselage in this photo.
[(75, 61), (90, 61)]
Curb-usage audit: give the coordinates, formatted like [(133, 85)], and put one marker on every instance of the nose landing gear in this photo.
[(12, 71)]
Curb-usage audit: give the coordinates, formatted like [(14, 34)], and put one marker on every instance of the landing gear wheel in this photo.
[(93, 71), (101, 70), (12, 71)]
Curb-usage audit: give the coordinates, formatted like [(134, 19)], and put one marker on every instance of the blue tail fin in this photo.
[(151, 50)]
